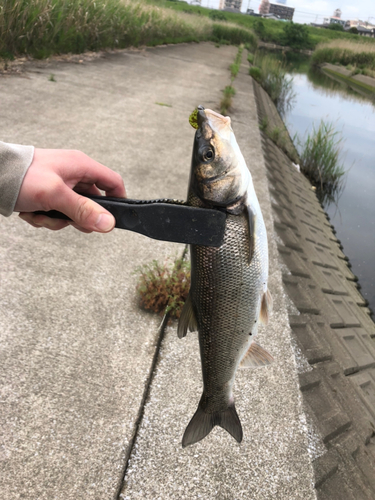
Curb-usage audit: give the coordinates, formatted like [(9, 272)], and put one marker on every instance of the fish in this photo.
[(228, 293)]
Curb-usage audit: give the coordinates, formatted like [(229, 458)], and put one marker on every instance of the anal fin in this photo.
[(187, 319), (256, 357)]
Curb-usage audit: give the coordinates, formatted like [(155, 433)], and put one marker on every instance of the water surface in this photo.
[(353, 214)]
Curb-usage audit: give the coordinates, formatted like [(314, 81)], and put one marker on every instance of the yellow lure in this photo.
[(193, 118)]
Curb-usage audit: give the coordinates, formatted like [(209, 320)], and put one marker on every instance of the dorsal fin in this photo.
[(266, 307), (256, 357)]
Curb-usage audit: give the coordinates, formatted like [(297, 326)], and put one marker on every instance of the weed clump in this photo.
[(163, 288), (254, 71), (320, 161)]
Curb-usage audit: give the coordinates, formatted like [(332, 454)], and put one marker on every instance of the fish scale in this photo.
[(223, 318)]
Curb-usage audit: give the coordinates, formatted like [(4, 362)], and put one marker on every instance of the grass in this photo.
[(271, 74), (163, 288), (229, 91), (40, 28), (320, 160), (273, 31), (357, 55), (227, 100), (235, 67)]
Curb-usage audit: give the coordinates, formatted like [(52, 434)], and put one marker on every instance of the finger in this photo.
[(43, 221), (84, 212), (92, 172), (83, 188)]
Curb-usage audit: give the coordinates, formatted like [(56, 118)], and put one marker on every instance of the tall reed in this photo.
[(359, 54), (320, 160), (272, 75), (43, 27)]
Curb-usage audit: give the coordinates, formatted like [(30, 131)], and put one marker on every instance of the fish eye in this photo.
[(208, 154)]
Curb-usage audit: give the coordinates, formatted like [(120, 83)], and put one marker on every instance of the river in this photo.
[(353, 212)]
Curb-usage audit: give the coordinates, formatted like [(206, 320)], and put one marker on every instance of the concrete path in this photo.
[(75, 350)]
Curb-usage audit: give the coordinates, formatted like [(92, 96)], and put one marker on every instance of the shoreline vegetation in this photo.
[(41, 28), (318, 154)]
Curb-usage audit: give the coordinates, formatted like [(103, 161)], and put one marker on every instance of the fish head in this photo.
[(219, 175)]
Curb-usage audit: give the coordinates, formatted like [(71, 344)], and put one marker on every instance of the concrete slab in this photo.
[(75, 349)]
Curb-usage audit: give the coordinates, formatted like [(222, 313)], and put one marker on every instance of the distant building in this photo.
[(281, 11), (364, 28), (337, 13), (335, 19), (264, 7), (230, 4)]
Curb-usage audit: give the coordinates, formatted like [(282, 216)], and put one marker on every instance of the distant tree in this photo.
[(336, 27), (217, 15), (354, 30), (296, 35)]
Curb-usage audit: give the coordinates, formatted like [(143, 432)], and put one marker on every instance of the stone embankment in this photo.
[(331, 327), (362, 84)]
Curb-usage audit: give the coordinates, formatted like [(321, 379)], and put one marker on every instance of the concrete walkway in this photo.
[(75, 350)]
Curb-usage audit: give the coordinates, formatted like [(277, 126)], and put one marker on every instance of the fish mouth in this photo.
[(219, 177)]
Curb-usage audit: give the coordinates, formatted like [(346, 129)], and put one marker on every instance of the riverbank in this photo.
[(331, 325), (363, 84)]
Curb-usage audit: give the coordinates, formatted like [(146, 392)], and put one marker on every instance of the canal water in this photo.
[(352, 213)]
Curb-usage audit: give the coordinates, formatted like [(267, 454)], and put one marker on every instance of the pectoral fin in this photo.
[(255, 357), (187, 319), (266, 307), (251, 217)]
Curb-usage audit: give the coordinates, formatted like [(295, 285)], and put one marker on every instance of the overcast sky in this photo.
[(307, 11)]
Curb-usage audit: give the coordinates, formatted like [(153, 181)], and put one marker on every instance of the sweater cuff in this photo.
[(14, 163)]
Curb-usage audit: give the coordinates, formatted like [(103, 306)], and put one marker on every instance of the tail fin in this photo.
[(202, 424)]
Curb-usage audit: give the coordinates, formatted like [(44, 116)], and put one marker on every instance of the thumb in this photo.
[(84, 212)]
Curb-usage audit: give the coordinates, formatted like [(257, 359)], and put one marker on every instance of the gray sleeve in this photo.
[(14, 162)]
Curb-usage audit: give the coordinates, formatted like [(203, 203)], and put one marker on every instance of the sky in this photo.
[(313, 11)]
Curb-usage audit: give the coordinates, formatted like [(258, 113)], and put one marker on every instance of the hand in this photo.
[(51, 183)]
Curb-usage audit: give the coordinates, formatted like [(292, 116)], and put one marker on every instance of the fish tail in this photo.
[(202, 424)]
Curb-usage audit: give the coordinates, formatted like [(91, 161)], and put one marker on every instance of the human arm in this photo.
[(51, 182)]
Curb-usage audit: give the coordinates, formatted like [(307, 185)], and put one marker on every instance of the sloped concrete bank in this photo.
[(331, 326)]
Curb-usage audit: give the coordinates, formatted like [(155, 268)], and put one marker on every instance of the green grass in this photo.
[(235, 67), (227, 100), (41, 28), (273, 30), (320, 161)]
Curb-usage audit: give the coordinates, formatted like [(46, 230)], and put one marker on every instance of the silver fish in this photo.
[(228, 294)]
